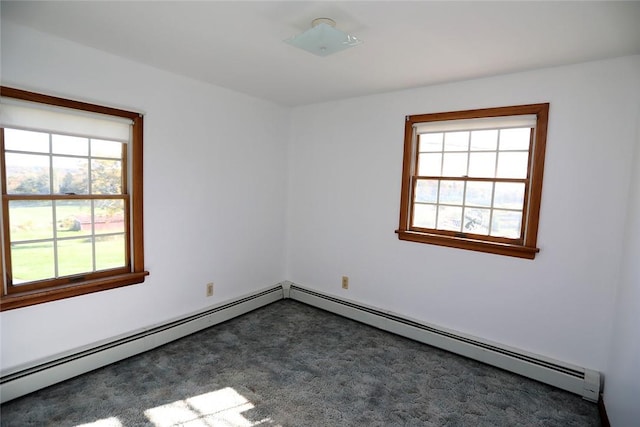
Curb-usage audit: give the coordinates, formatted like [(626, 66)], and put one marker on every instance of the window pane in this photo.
[(515, 139), (73, 218), (109, 216), (482, 165), (75, 256), (30, 220), (513, 165), (456, 141), (106, 177), (32, 261), (57, 206), (101, 148), (482, 140), (24, 140), (451, 192), (430, 164), (27, 173), (70, 175), (479, 194), (110, 252), (509, 195), (506, 224), (449, 218), (424, 216), (455, 164), (476, 221), (62, 144), (486, 159), (426, 191), (430, 142)]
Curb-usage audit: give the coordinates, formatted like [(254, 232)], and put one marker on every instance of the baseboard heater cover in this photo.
[(578, 380), (23, 380)]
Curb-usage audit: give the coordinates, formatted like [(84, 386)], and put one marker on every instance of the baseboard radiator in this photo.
[(21, 381), (578, 380)]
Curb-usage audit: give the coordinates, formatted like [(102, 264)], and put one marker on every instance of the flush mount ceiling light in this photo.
[(323, 38)]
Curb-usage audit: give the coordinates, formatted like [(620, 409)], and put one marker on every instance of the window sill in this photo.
[(469, 244), (25, 299)]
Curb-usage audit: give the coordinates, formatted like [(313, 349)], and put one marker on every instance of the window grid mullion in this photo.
[(440, 181), (50, 153), (442, 155), (89, 169), (493, 196), (56, 272), (464, 190), (493, 186), (74, 156), (464, 205), (438, 204), (93, 233), (54, 214), (93, 205)]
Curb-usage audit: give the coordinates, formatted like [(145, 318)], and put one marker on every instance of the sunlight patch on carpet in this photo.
[(220, 407), (107, 422)]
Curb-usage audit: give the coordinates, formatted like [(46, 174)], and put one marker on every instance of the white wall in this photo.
[(214, 179), (217, 166), (622, 386), (344, 189)]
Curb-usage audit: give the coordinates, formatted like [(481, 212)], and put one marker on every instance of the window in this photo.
[(473, 179), (71, 198)]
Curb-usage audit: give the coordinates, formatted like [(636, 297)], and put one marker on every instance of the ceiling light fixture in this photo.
[(323, 38)]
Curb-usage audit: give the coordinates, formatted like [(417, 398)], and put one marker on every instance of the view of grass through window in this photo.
[(66, 208)]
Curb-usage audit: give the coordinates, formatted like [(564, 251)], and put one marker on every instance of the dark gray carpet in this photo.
[(289, 364)]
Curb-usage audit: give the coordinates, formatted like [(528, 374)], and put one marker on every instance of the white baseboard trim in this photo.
[(578, 380), (23, 380)]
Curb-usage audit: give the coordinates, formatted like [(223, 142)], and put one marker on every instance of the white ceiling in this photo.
[(238, 44)]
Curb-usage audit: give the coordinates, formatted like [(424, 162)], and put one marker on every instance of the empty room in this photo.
[(320, 213)]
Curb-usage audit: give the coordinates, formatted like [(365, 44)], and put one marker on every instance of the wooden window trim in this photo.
[(109, 279), (526, 247)]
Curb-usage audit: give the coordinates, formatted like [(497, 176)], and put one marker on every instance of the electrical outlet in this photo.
[(210, 289), (345, 282)]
